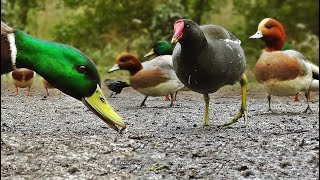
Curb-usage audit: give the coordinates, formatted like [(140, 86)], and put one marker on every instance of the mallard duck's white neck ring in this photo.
[(13, 49)]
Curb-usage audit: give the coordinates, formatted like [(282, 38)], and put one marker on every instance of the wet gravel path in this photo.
[(57, 137)]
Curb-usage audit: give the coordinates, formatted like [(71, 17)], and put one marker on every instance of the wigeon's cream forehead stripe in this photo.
[(262, 23), (13, 49)]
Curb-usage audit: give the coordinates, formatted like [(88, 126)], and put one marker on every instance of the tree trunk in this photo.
[(199, 7)]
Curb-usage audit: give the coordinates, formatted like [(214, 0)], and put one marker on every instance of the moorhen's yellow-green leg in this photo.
[(206, 110), (243, 109)]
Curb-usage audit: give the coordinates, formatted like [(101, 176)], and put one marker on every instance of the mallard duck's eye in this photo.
[(268, 26), (82, 69), (187, 25)]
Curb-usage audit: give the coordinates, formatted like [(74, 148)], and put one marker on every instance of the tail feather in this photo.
[(314, 85), (315, 70), (116, 85)]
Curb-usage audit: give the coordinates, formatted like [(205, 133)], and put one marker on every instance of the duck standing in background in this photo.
[(283, 73), (158, 49), (23, 78), (155, 78), (207, 58), (63, 66)]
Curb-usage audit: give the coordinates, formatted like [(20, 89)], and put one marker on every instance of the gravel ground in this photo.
[(56, 137)]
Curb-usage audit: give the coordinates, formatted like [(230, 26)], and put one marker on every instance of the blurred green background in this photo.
[(104, 28)]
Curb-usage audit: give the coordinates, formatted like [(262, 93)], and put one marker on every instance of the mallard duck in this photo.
[(207, 58), (155, 78), (23, 78), (283, 73), (63, 66), (158, 49)]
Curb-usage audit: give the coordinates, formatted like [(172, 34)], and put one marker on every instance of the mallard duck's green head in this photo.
[(160, 48), (64, 67)]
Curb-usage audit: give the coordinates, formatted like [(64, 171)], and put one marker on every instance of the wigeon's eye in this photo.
[(123, 59), (269, 26)]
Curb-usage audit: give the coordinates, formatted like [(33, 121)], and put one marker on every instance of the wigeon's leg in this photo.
[(167, 98), (171, 95), (112, 94), (47, 92), (175, 96), (296, 97), (243, 109), (17, 91), (307, 94), (206, 110), (269, 100), (28, 94), (143, 102)]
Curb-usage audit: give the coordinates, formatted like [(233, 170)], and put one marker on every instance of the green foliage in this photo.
[(300, 19), (163, 19), (17, 11)]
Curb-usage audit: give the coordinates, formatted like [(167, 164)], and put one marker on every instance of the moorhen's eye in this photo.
[(268, 26)]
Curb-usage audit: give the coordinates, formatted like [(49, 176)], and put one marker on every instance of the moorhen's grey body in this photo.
[(207, 58)]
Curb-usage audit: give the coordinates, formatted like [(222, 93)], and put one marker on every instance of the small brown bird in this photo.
[(23, 78), (46, 85)]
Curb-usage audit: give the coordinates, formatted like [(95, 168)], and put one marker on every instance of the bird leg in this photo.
[(143, 102), (296, 97), (17, 91), (175, 96), (28, 94), (112, 93), (47, 92), (171, 95), (307, 94), (206, 110), (167, 98), (269, 100), (243, 109)]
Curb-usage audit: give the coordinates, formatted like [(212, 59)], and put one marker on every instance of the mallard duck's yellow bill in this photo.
[(151, 52), (98, 103)]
